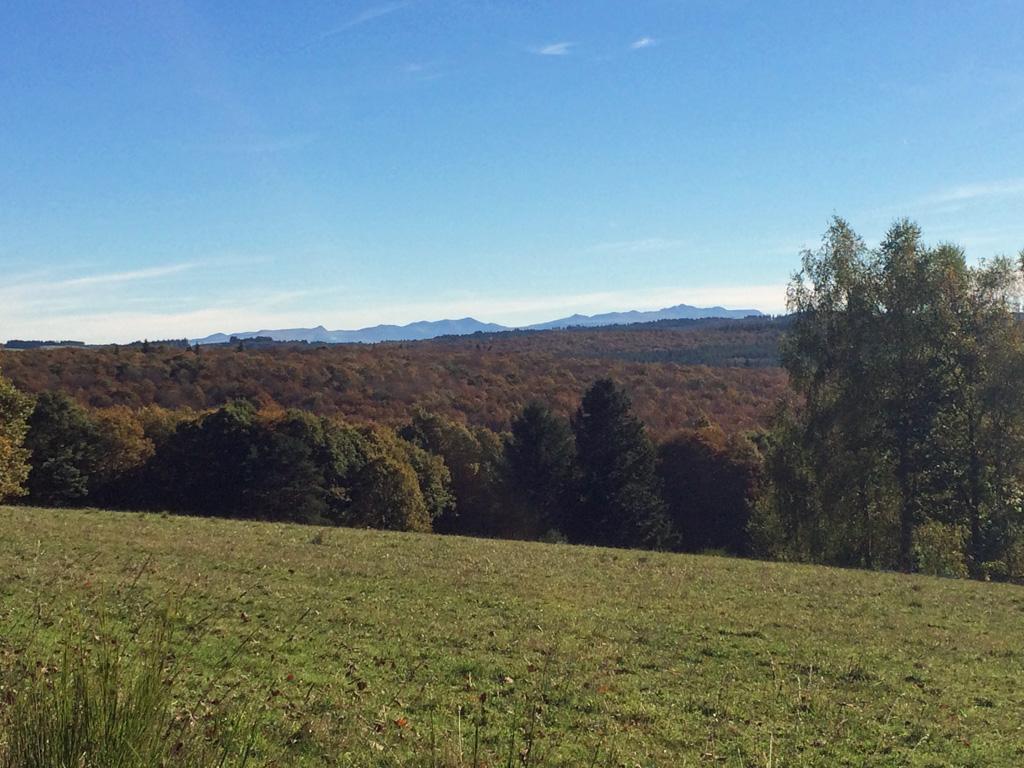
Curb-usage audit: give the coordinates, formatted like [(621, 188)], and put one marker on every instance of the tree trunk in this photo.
[(906, 555), (974, 482)]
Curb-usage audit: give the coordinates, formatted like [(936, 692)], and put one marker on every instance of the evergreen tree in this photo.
[(618, 494), (302, 470), (64, 443), (538, 461)]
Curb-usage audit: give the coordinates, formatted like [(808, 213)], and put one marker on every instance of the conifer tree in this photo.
[(618, 494), (539, 456)]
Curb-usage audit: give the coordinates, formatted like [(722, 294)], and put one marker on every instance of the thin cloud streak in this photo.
[(643, 42), (422, 71), (34, 285), (555, 49), (125, 277), (945, 204), (39, 303), (370, 14), (980, 191)]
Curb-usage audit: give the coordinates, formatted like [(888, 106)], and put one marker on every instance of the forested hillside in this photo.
[(679, 373)]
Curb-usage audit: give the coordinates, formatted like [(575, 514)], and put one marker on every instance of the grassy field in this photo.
[(367, 648)]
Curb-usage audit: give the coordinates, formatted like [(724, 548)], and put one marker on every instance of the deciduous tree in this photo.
[(14, 467)]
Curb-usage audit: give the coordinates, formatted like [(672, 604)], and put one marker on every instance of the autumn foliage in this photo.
[(678, 374)]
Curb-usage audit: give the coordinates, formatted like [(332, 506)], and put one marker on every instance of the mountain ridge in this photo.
[(429, 329)]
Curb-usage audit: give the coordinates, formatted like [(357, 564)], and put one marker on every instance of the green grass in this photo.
[(108, 705), (362, 648)]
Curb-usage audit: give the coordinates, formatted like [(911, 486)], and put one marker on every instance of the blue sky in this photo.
[(177, 168)]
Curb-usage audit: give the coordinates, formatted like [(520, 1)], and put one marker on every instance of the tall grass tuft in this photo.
[(101, 709), (98, 709)]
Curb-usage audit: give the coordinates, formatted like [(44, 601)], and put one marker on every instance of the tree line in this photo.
[(596, 478)]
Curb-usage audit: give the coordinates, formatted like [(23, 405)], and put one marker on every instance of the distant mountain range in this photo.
[(423, 329), (678, 312), (427, 329)]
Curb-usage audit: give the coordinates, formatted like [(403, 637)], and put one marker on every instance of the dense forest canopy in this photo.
[(677, 372)]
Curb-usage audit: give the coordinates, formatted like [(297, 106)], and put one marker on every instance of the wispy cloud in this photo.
[(369, 14), (107, 278), (944, 204), (45, 301), (112, 308), (643, 42), (554, 49), (422, 70), (116, 278), (694, 248), (965, 193)]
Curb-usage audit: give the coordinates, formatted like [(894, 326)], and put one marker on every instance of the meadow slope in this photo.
[(360, 648)]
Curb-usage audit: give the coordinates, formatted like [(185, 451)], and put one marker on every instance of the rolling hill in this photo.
[(367, 648)]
